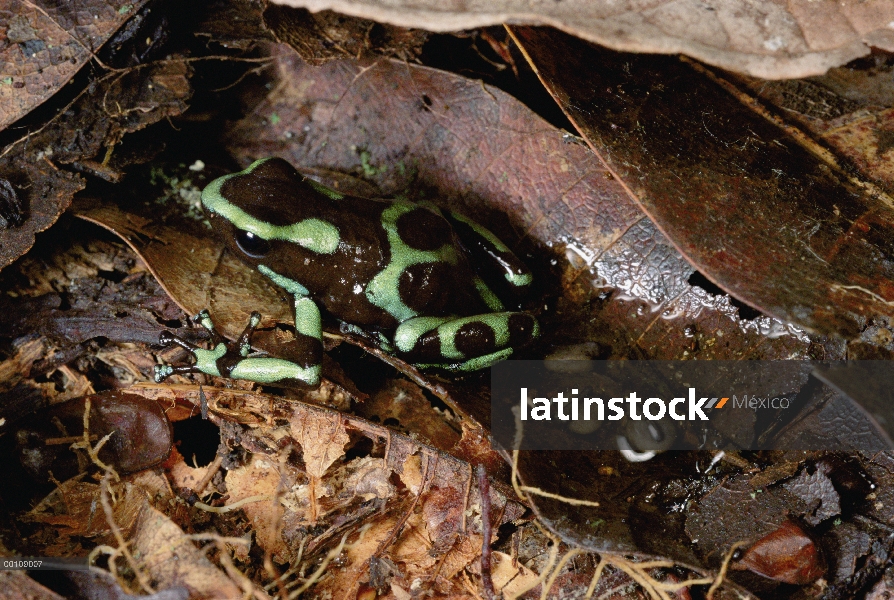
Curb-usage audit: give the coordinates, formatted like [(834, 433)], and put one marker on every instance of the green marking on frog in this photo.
[(516, 279), (272, 370), (411, 330), (324, 190), (307, 318), (289, 285), (498, 322), (487, 295), (384, 289), (314, 234), (206, 360)]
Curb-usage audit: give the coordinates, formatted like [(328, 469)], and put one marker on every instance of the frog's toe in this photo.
[(161, 372)]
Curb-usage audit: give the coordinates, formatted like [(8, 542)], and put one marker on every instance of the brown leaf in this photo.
[(47, 192), (787, 555), (322, 438), (99, 117), (43, 44), (187, 266), (765, 39), (261, 480), (471, 147), (754, 211), (164, 550)]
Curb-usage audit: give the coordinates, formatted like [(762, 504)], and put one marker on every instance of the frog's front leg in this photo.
[(225, 361), (465, 343)]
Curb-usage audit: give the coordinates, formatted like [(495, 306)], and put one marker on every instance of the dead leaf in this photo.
[(117, 104), (45, 44), (756, 212), (261, 480), (767, 39), (322, 440), (164, 550)]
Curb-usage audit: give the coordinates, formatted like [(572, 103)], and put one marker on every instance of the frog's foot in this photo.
[(225, 360), (466, 343)]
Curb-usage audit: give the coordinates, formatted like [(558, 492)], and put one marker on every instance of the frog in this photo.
[(411, 278)]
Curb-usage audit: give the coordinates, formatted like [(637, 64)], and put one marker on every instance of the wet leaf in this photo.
[(768, 39), (752, 209), (43, 44)]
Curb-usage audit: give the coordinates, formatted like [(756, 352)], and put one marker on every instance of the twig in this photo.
[(484, 491)]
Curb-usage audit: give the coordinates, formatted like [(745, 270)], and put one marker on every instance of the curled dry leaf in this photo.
[(356, 491), (767, 39), (755, 211), (165, 553), (45, 43)]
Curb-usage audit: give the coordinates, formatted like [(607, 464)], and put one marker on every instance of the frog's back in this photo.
[(368, 262)]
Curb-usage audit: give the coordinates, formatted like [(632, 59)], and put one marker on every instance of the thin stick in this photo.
[(484, 491)]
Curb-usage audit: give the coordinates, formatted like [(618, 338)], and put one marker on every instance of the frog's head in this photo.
[(268, 209)]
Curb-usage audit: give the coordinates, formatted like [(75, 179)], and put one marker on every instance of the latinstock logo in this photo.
[(653, 409)]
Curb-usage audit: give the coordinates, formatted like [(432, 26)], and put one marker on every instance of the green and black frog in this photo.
[(407, 276)]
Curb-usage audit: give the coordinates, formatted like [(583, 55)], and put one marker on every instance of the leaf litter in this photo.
[(422, 522)]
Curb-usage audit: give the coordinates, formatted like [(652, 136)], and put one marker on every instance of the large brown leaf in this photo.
[(764, 38), (472, 147), (756, 212)]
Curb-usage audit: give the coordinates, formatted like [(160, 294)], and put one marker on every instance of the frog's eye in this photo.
[(252, 245)]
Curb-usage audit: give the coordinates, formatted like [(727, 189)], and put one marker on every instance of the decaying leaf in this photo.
[(118, 104), (43, 44), (765, 39), (756, 212)]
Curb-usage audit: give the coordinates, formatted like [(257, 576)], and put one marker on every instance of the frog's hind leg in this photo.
[(235, 361), (309, 338), (465, 343)]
